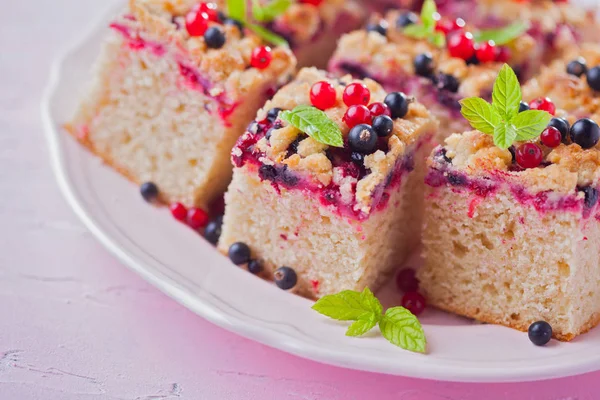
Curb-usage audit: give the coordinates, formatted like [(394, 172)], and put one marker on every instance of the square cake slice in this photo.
[(172, 93), (511, 246), (340, 217)]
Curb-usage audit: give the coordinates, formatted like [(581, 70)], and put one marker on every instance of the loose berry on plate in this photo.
[(383, 125), (503, 54), (447, 82), (356, 115), (544, 104), (585, 133), (377, 109), (577, 67), (323, 95), (414, 302), (486, 52), (406, 280), (210, 9), (179, 211), (523, 106), (239, 253), (356, 94), (255, 267), (593, 78), (397, 102), (562, 125), (285, 278), (551, 137), (149, 191), (212, 232), (406, 19), (380, 27), (461, 45), (214, 37), (529, 155), (273, 113), (261, 57), (197, 218), (423, 64), (362, 139), (540, 333), (196, 22)]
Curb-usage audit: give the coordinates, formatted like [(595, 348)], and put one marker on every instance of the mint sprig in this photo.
[(426, 29), (315, 123), (502, 118), (237, 10), (502, 35), (269, 11), (398, 325)]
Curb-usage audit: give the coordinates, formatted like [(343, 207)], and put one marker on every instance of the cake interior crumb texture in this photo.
[(498, 261)]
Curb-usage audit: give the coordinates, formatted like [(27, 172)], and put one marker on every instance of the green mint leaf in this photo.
[(315, 123), (506, 94), (480, 114), (438, 39), (237, 9), (270, 11), (504, 135), (364, 324), (369, 300), (427, 12), (531, 123), (502, 35), (347, 305), (268, 36), (401, 328), (416, 31)]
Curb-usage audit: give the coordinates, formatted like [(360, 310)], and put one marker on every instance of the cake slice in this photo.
[(340, 217), (173, 90)]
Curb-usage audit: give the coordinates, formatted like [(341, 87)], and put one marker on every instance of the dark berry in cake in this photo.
[(540, 333), (267, 172), (356, 94), (423, 64), (285, 278), (239, 253), (273, 114), (406, 19), (486, 52), (407, 281), (544, 104), (461, 45), (585, 133), (362, 139), (591, 196), (356, 115), (214, 37), (255, 267), (523, 106), (380, 27), (414, 302), (212, 232), (529, 155), (473, 60), (149, 191), (357, 158), (397, 102), (383, 125), (447, 82), (593, 78), (577, 67), (551, 137), (236, 23), (379, 109), (178, 211), (323, 95), (562, 125), (261, 57), (197, 218)]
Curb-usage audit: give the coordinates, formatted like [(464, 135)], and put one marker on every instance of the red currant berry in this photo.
[(529, 155), (378, 109), (502, 54), (406, 280), (313, 2), (461, 45), (261, 57), (356, 93), (357, 114), (323, 95), (414, 302), (197, 218), (196, 22), (551, 137), (209, 8), (446, 25), (486, 52), (178, 211), (544, 104)]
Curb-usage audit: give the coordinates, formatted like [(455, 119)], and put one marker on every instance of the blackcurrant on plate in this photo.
[(186, 267)]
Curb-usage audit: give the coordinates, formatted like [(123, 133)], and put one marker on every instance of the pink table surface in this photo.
[(76, 324)]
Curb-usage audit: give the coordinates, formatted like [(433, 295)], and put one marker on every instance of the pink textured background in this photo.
[(75, 324)]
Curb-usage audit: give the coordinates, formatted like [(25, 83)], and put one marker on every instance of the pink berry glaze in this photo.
[(330, 196)]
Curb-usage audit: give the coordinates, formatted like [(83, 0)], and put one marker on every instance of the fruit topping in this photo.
[(356, 115), (523, 106), (577, 67), (196, 22), (362, 139), (544, 104), (461, 45), (383, 125), (356, 94), (447, 82), (593, 78), (423, 64), (540, 333), (255, 267), (285, 278), (239, 253), (179, 211), (380, 27), (149, 191), (551, 137), (529, 155), (261, 57), (408, 18), (214, 37), (591, 196), (377, 109), (273, 114), (197, 218), (397, 102), (486, 52), (323, 95), (585, 133), (562, 125)]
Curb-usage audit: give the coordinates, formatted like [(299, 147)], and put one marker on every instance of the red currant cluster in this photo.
[(195, 218), (530, 155), (199, 18), (408, 283)]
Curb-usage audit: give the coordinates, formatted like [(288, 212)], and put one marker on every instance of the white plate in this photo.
[(184, 266)]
